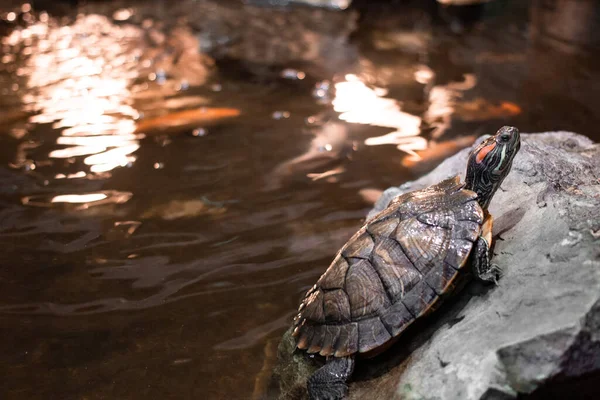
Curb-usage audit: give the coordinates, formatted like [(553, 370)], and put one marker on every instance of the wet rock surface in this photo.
[(535, 335)]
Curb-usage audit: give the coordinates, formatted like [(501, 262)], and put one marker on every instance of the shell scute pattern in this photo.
[(446, 195), (396, 318), (360, 247), (440, 279), (330, 337), (391, 271), (313, 309), (458, 251), (373, 334), (424, 245), (470, 212), (335, 276), (336, 306), (347, 342), (467, 230), (439, 218), (365, 290), (383, 227), (395, 269), (418, 300)]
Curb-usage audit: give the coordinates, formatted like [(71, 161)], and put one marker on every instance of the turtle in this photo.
[(401, 265)]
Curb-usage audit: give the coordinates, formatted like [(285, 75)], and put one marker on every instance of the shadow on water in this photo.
[(176, 174)]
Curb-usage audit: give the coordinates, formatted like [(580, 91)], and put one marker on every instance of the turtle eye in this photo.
[(504, 138)]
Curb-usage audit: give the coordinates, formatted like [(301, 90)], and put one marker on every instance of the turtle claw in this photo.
[(493, 275)]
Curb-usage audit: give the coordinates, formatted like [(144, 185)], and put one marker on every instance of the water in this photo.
[(174, 177)]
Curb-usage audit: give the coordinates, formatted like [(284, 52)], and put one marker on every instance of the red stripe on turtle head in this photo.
[(484, 152)]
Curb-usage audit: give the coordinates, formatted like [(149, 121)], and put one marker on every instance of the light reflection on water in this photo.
[(77, 78), (80, 201), (123, 215), (359, 104)]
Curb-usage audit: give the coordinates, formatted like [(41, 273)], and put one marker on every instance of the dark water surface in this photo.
[(174, 175)]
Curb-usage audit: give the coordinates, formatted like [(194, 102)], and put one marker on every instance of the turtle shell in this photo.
[(391, 271)]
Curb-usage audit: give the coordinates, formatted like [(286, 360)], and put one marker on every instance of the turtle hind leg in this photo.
[(329, 381), (483, 270)]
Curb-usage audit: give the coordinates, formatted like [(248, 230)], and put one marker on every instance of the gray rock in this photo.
[(539, 328)]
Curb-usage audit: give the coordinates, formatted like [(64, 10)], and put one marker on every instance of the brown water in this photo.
[(175, 176)]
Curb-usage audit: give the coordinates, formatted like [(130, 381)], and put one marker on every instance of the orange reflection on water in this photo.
[(202, 116)]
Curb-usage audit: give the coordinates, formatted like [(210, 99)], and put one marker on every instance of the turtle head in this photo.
[(490, 162)]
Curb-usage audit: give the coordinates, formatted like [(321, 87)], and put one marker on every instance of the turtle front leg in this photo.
[(329, 381), (483, 270)]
